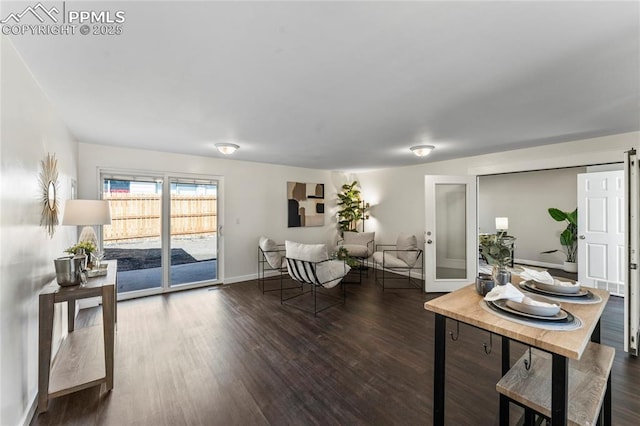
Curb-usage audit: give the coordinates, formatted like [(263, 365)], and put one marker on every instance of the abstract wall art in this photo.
[(306, 204)]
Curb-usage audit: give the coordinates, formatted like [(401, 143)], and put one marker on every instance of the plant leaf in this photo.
[(557, 214)]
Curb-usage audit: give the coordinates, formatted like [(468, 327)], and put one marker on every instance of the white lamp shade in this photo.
[(502, 223), (86, 212)]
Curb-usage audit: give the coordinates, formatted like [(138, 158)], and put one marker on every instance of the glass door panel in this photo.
[(134, 236), (451, 221), (193, 231)]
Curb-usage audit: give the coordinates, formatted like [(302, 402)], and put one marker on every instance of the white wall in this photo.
[(525, 198), (255, 193), (30, 129), (255, 198), (397, 195)]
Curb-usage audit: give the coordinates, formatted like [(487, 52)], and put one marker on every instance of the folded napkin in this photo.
[(510, 292), (529, 301), (507, 291), (545, 277), (565, 283)]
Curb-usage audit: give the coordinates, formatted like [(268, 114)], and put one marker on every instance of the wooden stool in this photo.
[(589, 385)]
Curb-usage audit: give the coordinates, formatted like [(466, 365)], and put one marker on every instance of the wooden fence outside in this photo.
[(138, 216)]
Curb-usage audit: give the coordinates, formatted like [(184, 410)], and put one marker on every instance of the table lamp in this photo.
[(502, 224), (87, 213)]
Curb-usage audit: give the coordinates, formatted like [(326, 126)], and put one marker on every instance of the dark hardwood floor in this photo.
[(233, 356)]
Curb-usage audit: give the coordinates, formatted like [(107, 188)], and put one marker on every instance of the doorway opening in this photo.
[(525, 197)]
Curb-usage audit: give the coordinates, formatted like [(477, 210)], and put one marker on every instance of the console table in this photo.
[(85, 357)]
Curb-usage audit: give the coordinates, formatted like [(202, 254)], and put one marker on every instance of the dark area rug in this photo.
[(132, 259)]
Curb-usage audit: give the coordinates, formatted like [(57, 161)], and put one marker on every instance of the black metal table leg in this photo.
[(506, 366), (529, 417), (559, 393), (438, 370), (607, 403), (595, 336)]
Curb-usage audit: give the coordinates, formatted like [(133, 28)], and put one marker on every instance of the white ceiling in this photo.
[(345, 85)]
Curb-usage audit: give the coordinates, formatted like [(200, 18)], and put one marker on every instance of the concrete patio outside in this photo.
[(200, 265)]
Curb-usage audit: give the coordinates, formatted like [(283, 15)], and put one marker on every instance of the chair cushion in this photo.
[(356, 250), (330, 273), (272, 252), (407, 242), (390, 261), (310, 252), (359, 239)]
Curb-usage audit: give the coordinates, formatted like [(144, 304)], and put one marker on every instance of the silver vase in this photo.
[(500, 275), (484, 284)]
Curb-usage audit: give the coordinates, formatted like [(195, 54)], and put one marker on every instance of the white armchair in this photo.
[(397, 261), (309, 264), (359, 245), (272, 264)]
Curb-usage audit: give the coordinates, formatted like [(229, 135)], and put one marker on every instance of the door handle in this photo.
[(582, 237), (220, 230), (429, 242)]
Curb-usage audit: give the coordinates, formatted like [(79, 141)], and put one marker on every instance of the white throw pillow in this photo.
[(364, 239), (407, 242), (271, 252), (390, 261), (356, 250), (310, 252)]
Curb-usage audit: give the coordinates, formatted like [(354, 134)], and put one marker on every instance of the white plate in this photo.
[(543, 311), (533, 287), (560, 316), (564, 289)]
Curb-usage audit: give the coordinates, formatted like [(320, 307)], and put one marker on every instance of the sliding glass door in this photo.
[(134, 237), (194, 223), (163, 232)]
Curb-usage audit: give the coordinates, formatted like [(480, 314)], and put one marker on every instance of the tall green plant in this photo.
[(568, 237), (350, 205)]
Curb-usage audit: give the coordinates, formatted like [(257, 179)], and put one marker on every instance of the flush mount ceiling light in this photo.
[(422, 150), (227, 148)]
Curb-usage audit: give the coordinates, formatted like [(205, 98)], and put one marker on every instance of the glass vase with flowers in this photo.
[(497, 250)]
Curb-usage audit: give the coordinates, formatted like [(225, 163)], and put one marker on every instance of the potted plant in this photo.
[(351, 209), (83, 247), (568, 237), (497, 249), (343, 254)]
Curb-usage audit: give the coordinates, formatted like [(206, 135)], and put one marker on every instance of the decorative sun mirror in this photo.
[(51, 192), (49, 186)]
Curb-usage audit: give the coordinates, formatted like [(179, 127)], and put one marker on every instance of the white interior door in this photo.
[(601, 230), (632, 293), (451, 237)]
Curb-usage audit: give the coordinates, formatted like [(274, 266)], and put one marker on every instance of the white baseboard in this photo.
[(417, 274), (240, 278), (90, 302), (28, 416)]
